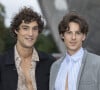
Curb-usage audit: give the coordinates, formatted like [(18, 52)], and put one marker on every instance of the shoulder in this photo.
[(8, 52), (45, 57), (57, 62), (45, 61), (7, 55), (93, 56), (93, 59)]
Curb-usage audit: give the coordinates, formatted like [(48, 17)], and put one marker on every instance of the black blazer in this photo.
[(9, 76)]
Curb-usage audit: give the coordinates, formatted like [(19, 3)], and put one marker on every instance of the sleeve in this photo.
[(99, 78), (0, 73)]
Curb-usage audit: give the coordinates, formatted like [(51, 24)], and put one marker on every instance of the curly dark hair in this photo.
[(28, 15), (73, 16)]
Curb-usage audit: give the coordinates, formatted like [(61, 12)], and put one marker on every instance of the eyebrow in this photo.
[(24, 26)]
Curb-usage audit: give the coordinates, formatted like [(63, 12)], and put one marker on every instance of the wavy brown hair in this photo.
[(73, 17), (27, 15)]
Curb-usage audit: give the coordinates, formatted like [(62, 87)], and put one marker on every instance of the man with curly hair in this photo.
[(23, 67)]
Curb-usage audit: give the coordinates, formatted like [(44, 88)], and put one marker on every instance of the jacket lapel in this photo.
[(81, 69)]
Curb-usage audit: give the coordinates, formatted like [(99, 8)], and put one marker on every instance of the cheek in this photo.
[(80, 40), (66, 39), (21, 33), (36, 34)]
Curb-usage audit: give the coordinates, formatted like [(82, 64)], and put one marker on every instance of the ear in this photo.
[(84, 37), (62, 36), (16, 31)]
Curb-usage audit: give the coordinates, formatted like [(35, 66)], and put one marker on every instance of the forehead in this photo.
[(73, 26), (32, 23)]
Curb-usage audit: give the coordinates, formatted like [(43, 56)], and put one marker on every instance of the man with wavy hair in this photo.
[(23, 67), (78, 69)]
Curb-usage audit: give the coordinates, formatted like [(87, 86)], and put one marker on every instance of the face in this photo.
[(27, 34), (73, 38)]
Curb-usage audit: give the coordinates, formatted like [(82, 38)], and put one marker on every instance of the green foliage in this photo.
[(2, 28), (46, 44), (6, 41), (9, 40)]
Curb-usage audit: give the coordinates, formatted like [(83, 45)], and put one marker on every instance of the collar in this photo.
[(35, 56), (77, 56)]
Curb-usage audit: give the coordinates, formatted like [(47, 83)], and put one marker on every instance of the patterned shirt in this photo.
[(21, 78)]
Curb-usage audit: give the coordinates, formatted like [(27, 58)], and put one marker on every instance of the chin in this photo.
[(73, 48), (29, 46)]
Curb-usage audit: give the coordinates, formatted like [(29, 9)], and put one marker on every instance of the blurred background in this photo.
[(52, 12)]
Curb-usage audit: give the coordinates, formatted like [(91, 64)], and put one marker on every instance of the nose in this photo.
[(30, 32), (73, 36)]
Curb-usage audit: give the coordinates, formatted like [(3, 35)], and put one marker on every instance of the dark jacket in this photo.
[(9, 76)]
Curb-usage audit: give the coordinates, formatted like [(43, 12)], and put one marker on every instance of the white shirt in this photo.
[(70, 66)]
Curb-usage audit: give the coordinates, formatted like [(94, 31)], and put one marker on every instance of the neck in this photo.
[(72, 52), (24, 52)]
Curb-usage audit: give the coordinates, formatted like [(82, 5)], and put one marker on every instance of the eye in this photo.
[(25, 28), (78, 33), (35, 28), (68, 32)]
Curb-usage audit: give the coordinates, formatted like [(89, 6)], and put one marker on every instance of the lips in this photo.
[(73, 43), (30, 39)]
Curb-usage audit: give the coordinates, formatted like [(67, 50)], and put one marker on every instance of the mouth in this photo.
[(29, 39), (73, 43)]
